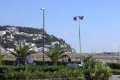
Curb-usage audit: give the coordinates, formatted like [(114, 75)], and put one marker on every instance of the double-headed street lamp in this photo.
[(43, 9), (75, 19)]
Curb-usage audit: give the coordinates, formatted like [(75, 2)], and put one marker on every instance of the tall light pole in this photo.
[(43, 9), (79, 18)]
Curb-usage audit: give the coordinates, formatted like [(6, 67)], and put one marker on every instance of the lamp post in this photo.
[(75, 19), (43, 10)]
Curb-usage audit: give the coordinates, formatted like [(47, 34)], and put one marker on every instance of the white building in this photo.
[(2, 33), (53, 43)]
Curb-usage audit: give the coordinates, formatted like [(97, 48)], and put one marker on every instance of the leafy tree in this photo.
[(55, 53)]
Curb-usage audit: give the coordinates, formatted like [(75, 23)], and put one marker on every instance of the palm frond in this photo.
[(16, 55), (55, 52), (22, 51)]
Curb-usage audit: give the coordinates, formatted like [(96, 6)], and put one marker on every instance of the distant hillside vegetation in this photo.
[(9, 35)]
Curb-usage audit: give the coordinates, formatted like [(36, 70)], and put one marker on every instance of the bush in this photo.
[(7, 62), (91, 70), (50, 63), (38, 72), (116, 71), (114, 65), (94, 70)]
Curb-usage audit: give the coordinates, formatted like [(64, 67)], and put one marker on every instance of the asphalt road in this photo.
[(115, 77)]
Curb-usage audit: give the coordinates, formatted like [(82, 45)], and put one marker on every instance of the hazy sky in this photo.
[(100, 28)]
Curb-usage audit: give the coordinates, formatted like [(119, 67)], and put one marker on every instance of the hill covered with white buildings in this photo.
[(13, 35)]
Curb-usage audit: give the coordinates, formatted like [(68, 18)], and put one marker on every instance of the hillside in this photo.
[(11, 35)]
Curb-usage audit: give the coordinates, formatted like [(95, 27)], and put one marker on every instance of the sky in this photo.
[(100, 28)]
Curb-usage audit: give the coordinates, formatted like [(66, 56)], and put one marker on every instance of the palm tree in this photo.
[(21, 52), (55, 53)]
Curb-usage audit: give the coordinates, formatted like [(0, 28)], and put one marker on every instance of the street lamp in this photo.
[(43, 9), (75, 19)]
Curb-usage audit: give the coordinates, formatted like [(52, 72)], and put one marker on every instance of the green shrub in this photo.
[(7, 62), (115, 71), (114, 65), (38, 72), (91, 70), (94, 70)]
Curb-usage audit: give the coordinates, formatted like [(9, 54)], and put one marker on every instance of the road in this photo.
[(115, 77)]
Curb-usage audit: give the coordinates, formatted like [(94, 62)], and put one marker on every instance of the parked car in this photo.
[(23, 61), (75, 64)]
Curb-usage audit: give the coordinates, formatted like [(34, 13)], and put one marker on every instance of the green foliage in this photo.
[(22, 51), (91, 70), (39, 72), (51, 38), (40, 63), (115, 71), (55, 53), (22, 37), (7, 62), (94, 70), (1, 58), (114, 65), (2, 28), (30, 30)]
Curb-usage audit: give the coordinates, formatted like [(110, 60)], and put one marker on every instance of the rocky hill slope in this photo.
[(11, 35)]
